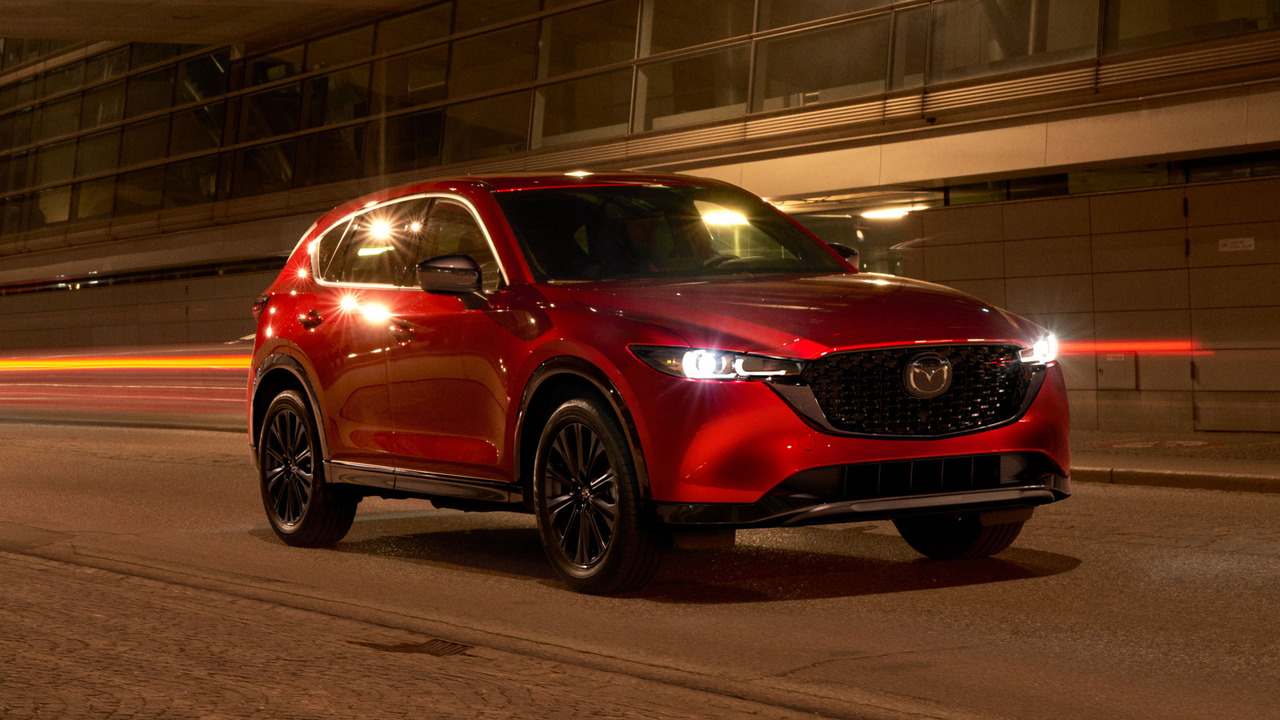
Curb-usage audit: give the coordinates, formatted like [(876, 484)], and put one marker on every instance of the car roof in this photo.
[(505, 182)]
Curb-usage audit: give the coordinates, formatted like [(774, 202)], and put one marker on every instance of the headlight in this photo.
[(1043, 352), (714, 364)]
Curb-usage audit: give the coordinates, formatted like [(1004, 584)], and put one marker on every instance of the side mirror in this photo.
[(846, 252), (456, 274)]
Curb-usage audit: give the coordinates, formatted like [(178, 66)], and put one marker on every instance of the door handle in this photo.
[(310, 319), (401, 331)]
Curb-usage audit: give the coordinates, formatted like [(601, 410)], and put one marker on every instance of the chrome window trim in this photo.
[(471, 208)]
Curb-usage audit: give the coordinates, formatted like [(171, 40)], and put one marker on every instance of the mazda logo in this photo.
[(927, 375)]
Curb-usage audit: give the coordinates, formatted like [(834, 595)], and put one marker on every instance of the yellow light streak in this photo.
[(140, 362)]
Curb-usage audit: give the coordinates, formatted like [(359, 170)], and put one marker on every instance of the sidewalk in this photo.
[(1213, 460)]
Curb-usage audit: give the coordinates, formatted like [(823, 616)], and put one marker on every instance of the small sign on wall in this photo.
[(1235, 244)]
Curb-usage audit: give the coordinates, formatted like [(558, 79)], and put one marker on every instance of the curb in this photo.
[(1170, 478)]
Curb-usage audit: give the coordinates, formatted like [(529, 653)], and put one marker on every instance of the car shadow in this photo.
[(765, 565)]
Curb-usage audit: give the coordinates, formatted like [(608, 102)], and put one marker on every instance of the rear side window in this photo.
[(375, 247)]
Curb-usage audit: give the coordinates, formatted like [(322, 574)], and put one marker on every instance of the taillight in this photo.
[(259, 304)]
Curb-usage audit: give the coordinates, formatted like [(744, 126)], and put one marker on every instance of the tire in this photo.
[(953, 537), (587, 501), (303, 509)]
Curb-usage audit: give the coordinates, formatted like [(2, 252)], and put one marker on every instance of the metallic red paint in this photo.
[(430, 383)]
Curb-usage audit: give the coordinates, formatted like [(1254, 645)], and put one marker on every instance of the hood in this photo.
[(808, 316)]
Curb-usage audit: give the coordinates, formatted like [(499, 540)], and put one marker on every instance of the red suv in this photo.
[(636, 358)]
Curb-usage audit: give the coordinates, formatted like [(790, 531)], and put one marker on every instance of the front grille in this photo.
[(863, 392), (906, 478)]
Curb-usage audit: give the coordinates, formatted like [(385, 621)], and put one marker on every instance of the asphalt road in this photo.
[(138, 577)]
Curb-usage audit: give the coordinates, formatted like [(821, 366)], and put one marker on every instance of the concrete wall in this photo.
[(213, 309), (1134, 267)]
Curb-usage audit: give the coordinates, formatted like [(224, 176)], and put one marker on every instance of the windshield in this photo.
[(636, 231)]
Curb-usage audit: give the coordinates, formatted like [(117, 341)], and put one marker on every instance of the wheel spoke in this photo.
[(557, 505), (274, 475), (561, 448), (584, 539), (606, 511), (569, 524)]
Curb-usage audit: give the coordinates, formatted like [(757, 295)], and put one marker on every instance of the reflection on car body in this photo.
[(635, 357)]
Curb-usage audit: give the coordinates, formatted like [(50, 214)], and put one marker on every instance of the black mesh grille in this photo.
[(863, 392), (905, 478)]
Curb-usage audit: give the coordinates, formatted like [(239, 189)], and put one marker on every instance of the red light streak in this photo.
[(1142, 347)]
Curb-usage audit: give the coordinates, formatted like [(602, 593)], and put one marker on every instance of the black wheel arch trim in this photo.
[(287, 363), (584, 370)]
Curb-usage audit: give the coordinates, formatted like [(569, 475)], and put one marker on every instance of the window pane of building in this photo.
[(413, 141), (274, 66), (8, 97), (140, 191), (107, 65), (340, 48), (102, 106), (95, 198), (145, 141), (22, 121), (780, 13), (263, 169), (675, 24), (149, 92), (691, 90), (98, 153), (52, 207), (197, 129), (910, 48), (15, 214), (60, 117), (19, 172), (272, 112), (478, 13), (485, 128), (417, 27), (1137, 24), (191, 182), (338, 96), (972, 38), (141, 54), (493, 60), (62, 79), (854, 61), (331, 156), (587, 38), (203, 77), (413, 79), (591, 108), (25, 92), (55, 163)]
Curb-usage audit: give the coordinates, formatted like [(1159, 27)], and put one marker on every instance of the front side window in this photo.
[(450, 229), (612, 232)]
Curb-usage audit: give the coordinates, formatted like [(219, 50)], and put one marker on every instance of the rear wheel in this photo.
[(952, 537), (587, 501), (303, 509)]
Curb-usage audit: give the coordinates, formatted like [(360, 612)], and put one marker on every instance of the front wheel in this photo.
[(953, 537), (303, 509), (587, 501)]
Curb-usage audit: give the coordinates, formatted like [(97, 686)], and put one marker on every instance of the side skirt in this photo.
[(410, 483)]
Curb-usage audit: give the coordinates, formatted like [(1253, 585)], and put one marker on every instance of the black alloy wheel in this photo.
[(588, 503), (302, 508)]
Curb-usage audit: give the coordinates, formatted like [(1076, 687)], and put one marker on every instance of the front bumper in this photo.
[(735, 443), (974, 484)]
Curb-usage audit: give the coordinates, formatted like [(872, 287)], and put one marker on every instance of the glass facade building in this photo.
[(148, 127)]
